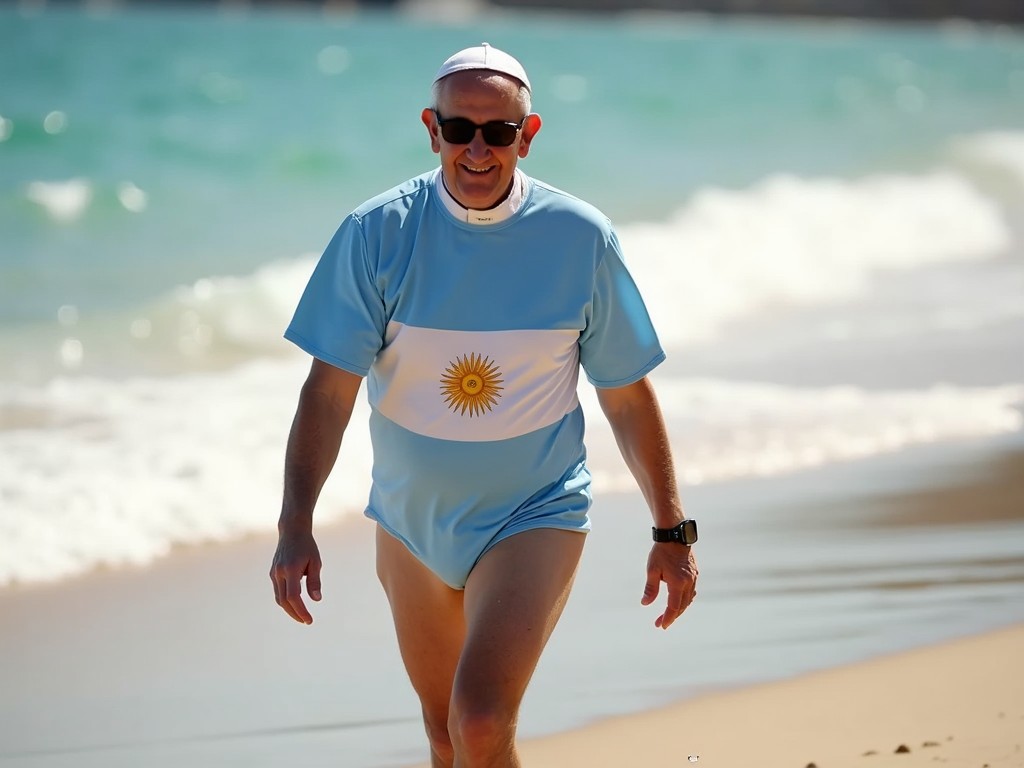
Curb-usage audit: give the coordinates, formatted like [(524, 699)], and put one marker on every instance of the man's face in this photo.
[(477, 174)]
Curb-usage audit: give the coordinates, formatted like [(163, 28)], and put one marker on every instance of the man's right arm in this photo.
[(325, 407)]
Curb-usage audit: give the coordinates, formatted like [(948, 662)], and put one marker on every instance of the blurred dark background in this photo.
[(1004, 11)]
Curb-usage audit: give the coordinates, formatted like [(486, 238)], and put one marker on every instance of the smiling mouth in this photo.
[(478, 171)]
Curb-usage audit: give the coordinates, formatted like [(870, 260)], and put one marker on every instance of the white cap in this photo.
[(484, 56)]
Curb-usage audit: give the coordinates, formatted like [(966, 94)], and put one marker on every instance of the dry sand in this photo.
[(959, 704)]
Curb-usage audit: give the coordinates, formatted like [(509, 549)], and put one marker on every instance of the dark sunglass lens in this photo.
[(458, 130), (500, 134)]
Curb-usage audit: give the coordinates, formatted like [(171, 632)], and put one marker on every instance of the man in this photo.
[(470, 297)]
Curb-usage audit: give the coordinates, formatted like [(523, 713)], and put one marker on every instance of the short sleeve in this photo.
[(619, 345), (340, 318)]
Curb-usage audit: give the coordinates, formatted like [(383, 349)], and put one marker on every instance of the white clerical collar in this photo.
[(502, 211)]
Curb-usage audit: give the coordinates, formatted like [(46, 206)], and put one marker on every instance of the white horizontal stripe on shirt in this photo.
[(475, 385)]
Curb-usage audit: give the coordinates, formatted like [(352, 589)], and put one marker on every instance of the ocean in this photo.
[(826, 218)]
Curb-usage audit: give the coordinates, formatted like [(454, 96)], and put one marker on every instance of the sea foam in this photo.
[(724, 430), (115, 473), (1002, 151), (798, 242), (64, 201)]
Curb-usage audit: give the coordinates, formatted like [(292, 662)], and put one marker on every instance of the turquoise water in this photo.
[(827, 220), (250, 135)]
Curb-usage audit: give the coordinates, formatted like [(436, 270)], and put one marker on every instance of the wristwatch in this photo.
[(684, 533)]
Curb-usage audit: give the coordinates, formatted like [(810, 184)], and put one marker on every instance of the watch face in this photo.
[(684, 533), (688, 531)]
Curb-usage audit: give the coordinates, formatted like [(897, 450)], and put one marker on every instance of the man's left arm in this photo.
[(636, 420)]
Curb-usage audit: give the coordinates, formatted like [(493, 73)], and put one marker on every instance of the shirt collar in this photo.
[(502, 211)]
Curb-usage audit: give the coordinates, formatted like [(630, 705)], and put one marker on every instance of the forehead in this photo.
[(480, 93)]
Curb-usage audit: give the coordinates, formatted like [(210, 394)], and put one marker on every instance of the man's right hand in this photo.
[(297, 556), (325, 406)]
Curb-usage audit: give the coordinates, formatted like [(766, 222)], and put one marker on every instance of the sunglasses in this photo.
[(461, 130)]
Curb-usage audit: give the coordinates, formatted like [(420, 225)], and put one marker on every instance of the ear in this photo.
[(429, 119), (531, 127)]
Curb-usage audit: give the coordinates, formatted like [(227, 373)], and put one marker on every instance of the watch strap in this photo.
[(684, 533)]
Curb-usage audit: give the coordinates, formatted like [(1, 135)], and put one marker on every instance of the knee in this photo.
[(439, 738), (481, 733)]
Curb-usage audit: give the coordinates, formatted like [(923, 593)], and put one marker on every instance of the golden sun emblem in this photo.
[(471, 384)]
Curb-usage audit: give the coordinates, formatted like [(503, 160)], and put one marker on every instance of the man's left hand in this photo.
[(674, 564)]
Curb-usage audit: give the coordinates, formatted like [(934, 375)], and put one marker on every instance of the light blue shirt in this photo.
[(472, 337)]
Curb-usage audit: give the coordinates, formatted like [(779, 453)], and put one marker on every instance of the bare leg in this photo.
[(513, 599), (430, 627)]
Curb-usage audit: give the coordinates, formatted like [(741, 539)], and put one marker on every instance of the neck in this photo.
[(496, 203)]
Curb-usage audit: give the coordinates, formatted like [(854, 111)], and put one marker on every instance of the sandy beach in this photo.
[(956, 704)]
